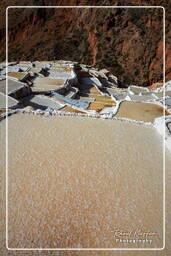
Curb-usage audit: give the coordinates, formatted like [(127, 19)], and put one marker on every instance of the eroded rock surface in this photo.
[(129, 42)]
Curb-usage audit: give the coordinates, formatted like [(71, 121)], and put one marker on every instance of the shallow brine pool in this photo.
[(141, 111)]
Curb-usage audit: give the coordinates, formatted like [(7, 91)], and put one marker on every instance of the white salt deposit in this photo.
[(74, 180)]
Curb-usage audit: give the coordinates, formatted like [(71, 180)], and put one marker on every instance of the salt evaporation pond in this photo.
[(74, 180), (141, 111), (47, 84)]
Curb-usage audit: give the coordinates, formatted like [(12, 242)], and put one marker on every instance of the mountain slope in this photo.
[(129, 42)]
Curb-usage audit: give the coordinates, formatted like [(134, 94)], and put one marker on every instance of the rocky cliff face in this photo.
[(126, 41)]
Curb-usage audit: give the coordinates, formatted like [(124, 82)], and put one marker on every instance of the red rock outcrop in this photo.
[(129, 42)]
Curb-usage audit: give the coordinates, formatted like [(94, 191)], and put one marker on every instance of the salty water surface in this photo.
[(141, 111)]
